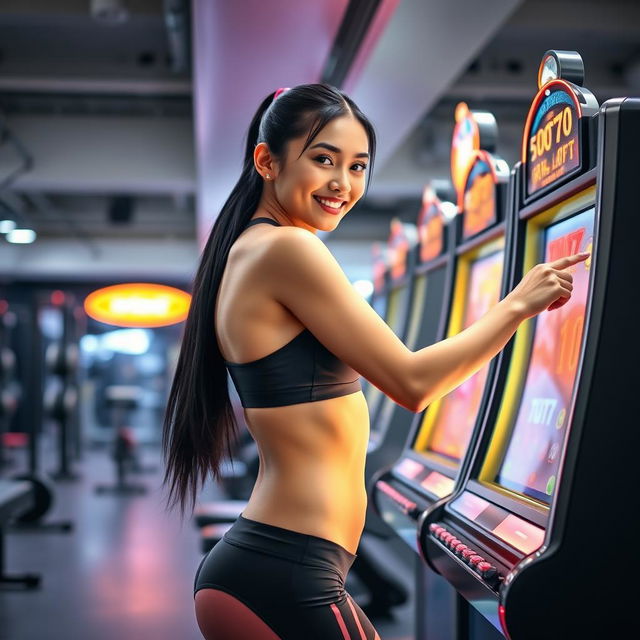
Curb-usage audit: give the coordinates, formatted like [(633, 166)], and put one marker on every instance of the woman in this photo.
[(272, 306)]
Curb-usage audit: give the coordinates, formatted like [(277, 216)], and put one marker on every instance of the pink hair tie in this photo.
[(280, 91)]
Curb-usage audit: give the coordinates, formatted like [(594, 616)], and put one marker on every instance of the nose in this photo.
[(340, 183)]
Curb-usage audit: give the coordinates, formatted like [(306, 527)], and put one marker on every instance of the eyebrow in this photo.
[(330, 147)]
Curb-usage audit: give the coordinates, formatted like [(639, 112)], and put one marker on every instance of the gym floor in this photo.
[(125, 571)]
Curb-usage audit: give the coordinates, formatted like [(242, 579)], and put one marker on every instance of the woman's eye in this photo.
[(359, 166), (321, 159)]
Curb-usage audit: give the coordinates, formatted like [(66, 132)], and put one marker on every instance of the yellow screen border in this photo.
[(518, 366)]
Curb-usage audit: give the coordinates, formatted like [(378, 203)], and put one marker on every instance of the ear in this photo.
[(264, 162)]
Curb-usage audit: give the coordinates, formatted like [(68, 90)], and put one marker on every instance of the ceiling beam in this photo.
[(425, 46), (129, 86)]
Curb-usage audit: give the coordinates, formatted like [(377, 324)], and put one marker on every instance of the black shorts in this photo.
[(263, 582)]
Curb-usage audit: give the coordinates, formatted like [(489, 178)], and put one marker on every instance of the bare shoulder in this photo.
[(286, 261), (269, 244), (302, 275), (292, 237), (299, 254)]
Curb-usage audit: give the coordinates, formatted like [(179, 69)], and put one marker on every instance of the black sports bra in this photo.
[(303, 370)]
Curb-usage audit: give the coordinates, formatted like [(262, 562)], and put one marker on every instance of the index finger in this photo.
[(568, 261)]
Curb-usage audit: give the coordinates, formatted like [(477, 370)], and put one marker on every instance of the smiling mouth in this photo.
[(334, 206)]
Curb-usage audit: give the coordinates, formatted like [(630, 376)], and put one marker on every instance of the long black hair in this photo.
[(200, 427)]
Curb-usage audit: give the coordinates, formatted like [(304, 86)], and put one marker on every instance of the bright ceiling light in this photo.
[(134, 342), (21, 236), (138, 304), (7, 225)]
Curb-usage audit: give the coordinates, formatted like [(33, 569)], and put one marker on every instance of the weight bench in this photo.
[(16, 497)]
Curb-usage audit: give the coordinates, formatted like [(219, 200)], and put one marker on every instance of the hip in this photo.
[(263, 581), (277, 562)]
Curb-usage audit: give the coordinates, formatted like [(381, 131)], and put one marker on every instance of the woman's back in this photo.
[(312, 454)]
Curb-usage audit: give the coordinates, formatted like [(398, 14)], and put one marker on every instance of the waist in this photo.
[(335, 513), (312, 467), (302, 548)]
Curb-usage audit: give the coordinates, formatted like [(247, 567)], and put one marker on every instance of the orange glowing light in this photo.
[(477, 200), (398, 248), (138, 305), (466, 140), (430, 225)]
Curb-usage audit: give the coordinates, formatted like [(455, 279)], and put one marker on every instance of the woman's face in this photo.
[(317, 187)]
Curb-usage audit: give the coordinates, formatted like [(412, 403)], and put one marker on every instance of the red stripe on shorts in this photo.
[(341, 624), (355, 615)]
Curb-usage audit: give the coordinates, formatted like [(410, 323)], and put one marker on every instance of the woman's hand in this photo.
[(547, 286)]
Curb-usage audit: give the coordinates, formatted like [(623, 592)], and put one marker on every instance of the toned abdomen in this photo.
[(312, 459)]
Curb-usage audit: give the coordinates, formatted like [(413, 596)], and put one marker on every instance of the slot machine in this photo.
[(399, 259), (430, 461), (380, 289), (421, 325), (538, 533), (379, 300)]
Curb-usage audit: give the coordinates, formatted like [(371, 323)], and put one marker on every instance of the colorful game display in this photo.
[(458, 410), (553, 139), (530, 464)]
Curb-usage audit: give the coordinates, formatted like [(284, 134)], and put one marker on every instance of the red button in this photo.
[(475, 560), (454, 542), (432, 527), (487, 571), (467, 553), (460, 548), (446, 536)]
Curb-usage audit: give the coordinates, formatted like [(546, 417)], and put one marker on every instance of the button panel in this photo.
[(436, 483), (406, 505), (477, 563), (515, 531)]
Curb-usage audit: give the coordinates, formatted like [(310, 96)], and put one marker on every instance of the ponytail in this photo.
[(200, 427)]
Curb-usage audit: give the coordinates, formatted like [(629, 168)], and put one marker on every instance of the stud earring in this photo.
[(268, 177)]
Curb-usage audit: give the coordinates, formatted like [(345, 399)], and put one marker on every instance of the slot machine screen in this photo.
[(531, 461), (457, 412)]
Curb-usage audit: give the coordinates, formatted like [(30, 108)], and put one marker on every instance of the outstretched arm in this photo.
[(450, 362), (307, 280)]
